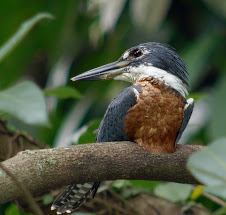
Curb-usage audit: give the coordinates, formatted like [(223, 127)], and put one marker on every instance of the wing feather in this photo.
[(187, 115), (112, 125), (111, 129)]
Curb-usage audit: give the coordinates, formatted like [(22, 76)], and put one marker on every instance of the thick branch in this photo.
[(42, 170)]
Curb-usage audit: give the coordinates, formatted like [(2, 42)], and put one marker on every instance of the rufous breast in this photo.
[(155, 120)]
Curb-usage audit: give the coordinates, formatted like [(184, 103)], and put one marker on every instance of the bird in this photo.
[(153, 112)]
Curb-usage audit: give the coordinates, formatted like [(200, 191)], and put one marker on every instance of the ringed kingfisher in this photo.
[(153, 112)]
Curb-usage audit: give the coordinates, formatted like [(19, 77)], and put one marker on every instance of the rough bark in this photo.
[(42, 170)]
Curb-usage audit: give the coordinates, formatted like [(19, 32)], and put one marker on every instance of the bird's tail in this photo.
[(74, 196)]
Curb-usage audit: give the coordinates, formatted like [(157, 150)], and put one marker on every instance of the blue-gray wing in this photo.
[(111, 129), (187, 114), (112, 124)]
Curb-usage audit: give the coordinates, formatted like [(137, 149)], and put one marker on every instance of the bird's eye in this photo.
[(137, 53)]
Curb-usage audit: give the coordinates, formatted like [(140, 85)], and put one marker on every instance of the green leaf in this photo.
[(197, 54), (63, 93), (21, 33), (217, 6), (147, 185), (13, 210), (173, 192), (219, 190), (119, 184), (197, 96), (127, 193), (217, 105), (48, 199), (89, 136), (26, 102), (209, 167)]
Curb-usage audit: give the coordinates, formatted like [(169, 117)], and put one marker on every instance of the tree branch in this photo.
[(42, 170), (27, 195)]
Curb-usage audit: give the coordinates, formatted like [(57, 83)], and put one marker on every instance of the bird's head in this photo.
[(145, 60)]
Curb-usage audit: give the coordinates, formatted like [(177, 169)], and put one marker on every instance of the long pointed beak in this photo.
[(108, 71)]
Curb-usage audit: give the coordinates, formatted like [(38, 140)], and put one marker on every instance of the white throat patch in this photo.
[(134, 74)]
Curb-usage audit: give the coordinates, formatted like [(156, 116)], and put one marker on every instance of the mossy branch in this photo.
[(42, 170)]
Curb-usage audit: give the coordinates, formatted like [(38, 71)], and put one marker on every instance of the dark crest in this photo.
[(163, 57)]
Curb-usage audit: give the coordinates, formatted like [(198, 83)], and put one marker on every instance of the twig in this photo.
[(33, 141), (126, 203), (104, 203), (215, 199), (221, 211), (10, 144), (153, 208)]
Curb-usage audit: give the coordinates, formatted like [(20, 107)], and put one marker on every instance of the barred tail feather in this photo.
[(74, 196)]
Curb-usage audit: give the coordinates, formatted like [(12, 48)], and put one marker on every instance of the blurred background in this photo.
[(88, 34)]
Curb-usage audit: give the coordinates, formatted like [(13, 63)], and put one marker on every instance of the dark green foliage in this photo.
[(89, 135), (63, 93), (81, 37)]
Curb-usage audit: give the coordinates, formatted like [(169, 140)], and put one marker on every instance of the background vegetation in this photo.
[(39, 101)]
